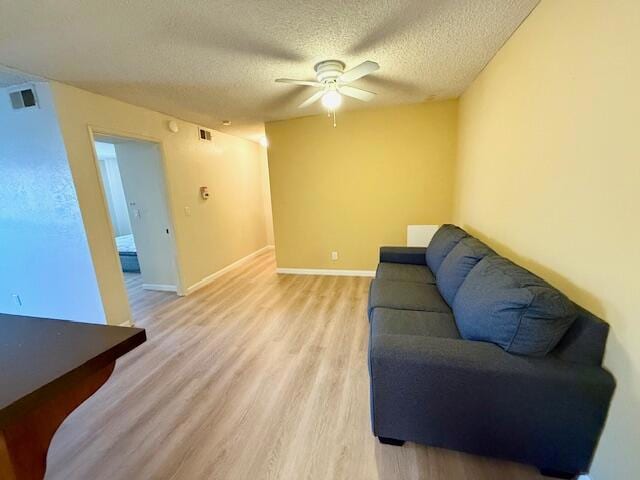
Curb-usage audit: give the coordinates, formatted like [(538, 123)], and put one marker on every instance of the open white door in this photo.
[(143, 182)]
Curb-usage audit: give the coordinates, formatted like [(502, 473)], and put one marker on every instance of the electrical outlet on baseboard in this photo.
[(334, 256)]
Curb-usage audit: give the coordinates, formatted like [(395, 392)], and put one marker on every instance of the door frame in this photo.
[(111, 132)]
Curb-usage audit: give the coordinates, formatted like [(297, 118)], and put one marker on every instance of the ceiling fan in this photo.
[(333, 82)]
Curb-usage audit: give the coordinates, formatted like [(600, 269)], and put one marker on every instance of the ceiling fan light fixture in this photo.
[(332, 100), (333, 83)]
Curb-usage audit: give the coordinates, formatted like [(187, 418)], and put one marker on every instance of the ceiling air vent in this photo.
[(204, 134), (23, 98)]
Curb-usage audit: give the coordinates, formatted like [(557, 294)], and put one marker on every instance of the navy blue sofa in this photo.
[(469, 351)]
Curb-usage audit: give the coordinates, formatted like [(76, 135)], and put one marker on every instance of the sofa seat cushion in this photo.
[(406, 296), (457, 265), (387, 321), (405, 273), (441, 244), (505, 304)]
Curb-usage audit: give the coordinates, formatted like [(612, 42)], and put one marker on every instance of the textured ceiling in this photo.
[(206, 61), (9, 77)]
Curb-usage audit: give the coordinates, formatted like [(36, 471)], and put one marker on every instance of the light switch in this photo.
[(187, 211)]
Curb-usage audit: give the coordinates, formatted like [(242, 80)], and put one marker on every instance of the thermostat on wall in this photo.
[(204, 192)]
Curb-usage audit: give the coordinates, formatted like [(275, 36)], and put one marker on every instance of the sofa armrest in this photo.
[(474, 396), (412, 255)]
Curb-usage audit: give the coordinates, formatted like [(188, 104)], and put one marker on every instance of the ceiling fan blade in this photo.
[(358, 93), (365, 68), (299, 82), (312, 99)]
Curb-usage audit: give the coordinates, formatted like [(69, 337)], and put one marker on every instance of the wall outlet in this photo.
[(334, 256), (16, 299)]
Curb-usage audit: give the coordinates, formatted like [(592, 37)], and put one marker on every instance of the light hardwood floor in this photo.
[(256, 376)]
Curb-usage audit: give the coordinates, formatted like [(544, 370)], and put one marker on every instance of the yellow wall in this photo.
[(549, 174), (221, 230), (353, 188), (266, 192)]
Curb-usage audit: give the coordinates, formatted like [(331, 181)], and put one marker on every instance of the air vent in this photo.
[(204, 134), (25, 98)]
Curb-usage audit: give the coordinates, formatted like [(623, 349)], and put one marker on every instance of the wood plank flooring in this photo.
[(256, 376)]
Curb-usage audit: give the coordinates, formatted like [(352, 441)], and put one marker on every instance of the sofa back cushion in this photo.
[(457, 265), (441, 244), (505, 304)]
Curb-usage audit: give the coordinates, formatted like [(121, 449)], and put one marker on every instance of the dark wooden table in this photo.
[(47, 369)]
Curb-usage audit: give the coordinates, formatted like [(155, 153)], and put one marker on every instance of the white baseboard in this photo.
[(210, 278), (159, 287), (126, 323), (326, 271), (584, 477)]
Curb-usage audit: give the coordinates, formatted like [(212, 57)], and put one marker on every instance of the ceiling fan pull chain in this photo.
[(334, 119)]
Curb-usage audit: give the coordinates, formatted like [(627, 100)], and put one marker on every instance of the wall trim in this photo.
[(326, 271), (584, 477), (160, 287), (126, 323), (210, 278)]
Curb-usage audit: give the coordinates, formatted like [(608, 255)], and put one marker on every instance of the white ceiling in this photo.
[(206, 61), (10, 77)]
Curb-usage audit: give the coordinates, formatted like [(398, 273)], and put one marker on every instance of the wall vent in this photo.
[(204, 134), (23, 98)]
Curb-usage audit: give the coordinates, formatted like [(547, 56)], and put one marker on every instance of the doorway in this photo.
[(133, 182)]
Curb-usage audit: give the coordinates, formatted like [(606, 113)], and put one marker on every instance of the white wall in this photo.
[(113, 189), (143, 181), (44, 255)]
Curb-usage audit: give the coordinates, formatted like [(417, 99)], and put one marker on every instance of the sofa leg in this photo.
[(547, 472), (391, 441)]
